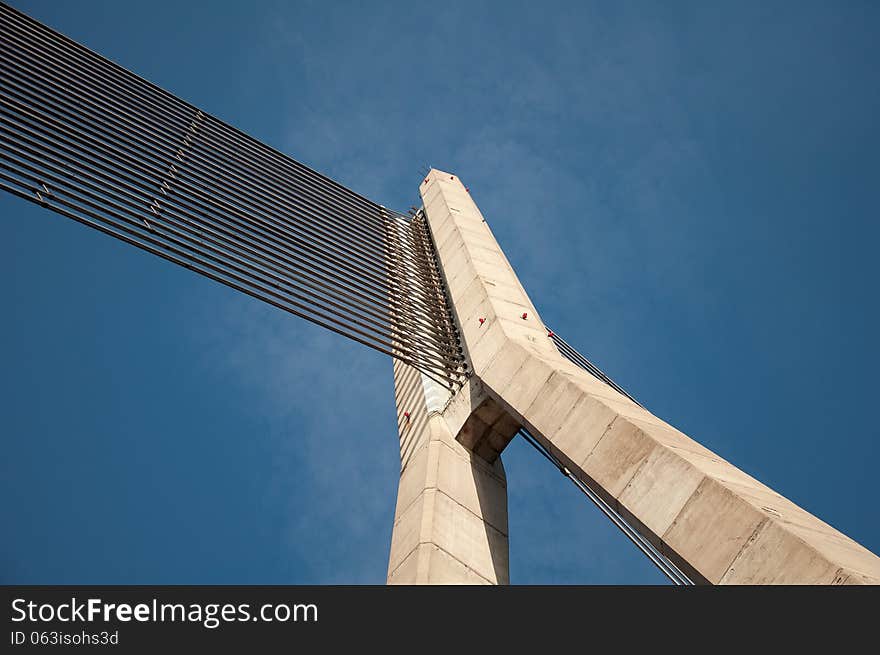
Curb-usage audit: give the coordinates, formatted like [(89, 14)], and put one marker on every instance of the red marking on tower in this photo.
[(525, 316), (482, 320)]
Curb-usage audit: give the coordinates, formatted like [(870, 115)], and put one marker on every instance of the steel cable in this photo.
[(90, 140)]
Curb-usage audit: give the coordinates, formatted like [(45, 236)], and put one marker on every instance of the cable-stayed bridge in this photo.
[(474, 364)]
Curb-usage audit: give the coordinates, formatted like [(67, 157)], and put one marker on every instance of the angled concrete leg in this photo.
[(717, 523), (450, 525)]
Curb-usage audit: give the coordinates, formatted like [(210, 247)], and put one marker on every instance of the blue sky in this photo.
[(687, 190)]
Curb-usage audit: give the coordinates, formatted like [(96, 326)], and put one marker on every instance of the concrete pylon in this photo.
[(450, 523), (715, 522)]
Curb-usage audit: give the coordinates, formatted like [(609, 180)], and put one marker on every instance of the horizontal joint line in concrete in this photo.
[(431, 543), (482, 519)]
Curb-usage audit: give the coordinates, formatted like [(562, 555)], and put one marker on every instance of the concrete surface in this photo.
[(717, 523), (450, 523)]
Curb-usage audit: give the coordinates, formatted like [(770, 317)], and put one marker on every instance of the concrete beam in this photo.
[(716, 522)]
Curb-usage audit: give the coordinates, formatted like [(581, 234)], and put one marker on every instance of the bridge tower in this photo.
[(474, 365), (708, 519)]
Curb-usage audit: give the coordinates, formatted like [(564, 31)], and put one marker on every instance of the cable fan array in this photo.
[(90, 140)]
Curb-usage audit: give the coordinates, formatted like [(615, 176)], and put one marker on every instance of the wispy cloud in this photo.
[(325, 408)]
